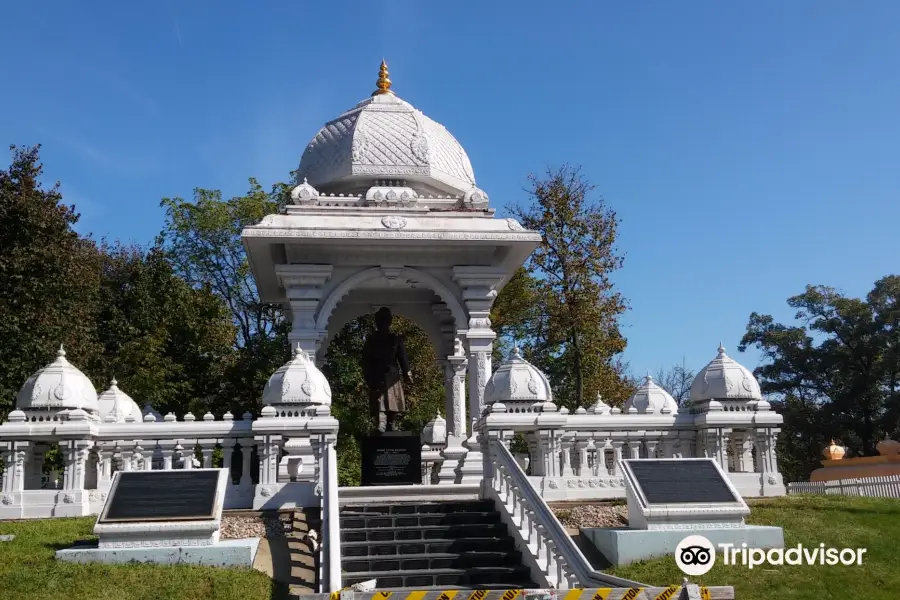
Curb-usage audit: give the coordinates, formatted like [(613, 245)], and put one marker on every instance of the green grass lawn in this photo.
[(839, 522), (29, 570)]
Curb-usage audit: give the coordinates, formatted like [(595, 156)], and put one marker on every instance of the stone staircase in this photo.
[(447, 545)]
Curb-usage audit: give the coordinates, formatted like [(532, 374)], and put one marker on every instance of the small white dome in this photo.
[(649, 397), (58, 386), (304, 193), (435, 431), (724, 379), (297, 382), (599, 407), (517, 380), (116, 406)]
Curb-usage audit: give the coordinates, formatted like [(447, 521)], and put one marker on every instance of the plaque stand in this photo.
[(392, 458)]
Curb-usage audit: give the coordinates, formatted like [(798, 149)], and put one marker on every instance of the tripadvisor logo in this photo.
[(695, 555)]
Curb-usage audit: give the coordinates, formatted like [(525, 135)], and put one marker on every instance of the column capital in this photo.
[(302, 276)]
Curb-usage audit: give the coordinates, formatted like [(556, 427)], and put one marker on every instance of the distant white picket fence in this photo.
[(886, 486)]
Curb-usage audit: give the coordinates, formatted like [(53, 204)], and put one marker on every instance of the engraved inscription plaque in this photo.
[(674, 481), (394, 458), (162, 496)]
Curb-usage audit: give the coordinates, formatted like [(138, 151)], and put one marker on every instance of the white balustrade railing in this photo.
[(555, 559), (885, 486)]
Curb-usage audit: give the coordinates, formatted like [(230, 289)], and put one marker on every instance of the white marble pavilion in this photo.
[(387, 212)]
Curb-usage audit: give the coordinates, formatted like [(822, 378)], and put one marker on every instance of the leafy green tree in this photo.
[(167, 343), (835, 373), (49, 277), (202, 238), (572, 329)]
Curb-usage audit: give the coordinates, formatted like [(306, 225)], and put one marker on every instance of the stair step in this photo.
[(420, 507), (437, 560), (472, 576), (469, 544), (381, 521), (422, 533)]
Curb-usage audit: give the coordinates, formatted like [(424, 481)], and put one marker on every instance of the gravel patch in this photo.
[(593, 515), (235, 528)]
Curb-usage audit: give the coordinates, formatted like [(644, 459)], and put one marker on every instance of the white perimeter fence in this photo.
[(886, 486)]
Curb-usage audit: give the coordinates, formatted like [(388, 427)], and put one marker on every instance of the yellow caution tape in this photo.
[(632, 593), (704, 593), (573, 594), (381, 595), (602, 594), (668, 593), (416, 595), (478, 595), (448, 595), (510, 594)]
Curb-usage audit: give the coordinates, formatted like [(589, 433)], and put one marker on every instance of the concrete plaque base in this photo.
[(621, 546), (226, 553)]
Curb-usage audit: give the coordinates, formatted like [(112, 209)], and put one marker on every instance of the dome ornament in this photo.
[(384, 83)]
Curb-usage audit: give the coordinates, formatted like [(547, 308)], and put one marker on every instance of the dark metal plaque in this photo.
[(162, 496), (392, 459), (676, 481)]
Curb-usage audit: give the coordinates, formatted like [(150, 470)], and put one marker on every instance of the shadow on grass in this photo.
[(76, 544)]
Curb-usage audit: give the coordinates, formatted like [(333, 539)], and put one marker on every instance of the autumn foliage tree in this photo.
[(567, 305)]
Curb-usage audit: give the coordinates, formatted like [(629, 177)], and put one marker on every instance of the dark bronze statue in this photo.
[(385, 367)]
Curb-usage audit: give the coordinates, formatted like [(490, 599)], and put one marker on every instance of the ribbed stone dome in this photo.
[(385, 137), (117, 406), (297, 383), (649, 395), (724, 379), (58, 386), (517, 380)]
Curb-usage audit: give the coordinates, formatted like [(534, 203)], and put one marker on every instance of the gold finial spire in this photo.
[(383, 84)]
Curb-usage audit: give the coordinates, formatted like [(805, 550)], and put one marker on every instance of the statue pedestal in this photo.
[(392, 458)]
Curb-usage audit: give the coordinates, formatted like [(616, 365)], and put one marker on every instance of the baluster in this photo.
[(539, 539), (551, 559), (530, 529), (561, 581)]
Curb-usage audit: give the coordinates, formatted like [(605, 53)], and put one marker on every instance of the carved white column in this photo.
[(207, 448), (651, 448), (246, 451), (187, 456), (566, 443), (581, 450), (766, 461), (773, 442), (617, 456), (478, 291), (303, 288), (456, 420), (600, 469), (267, 447), (634, 448), (167, 449), (75, 455), (14, 471)]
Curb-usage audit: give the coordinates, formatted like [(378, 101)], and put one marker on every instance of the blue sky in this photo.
[(749, 148)]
